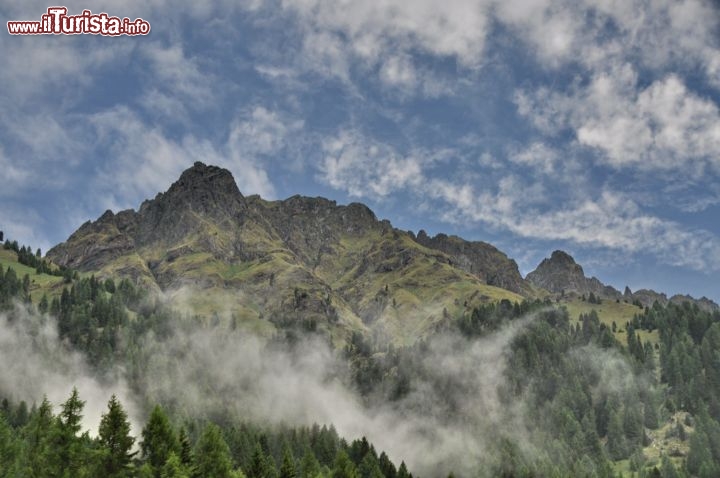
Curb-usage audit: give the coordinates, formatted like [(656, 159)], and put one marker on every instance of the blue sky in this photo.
[(588, 126)]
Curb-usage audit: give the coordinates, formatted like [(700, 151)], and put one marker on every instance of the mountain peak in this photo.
[(562, 257), (204, 177), (561, 274)]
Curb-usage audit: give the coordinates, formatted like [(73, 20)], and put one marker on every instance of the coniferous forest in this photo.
[(562, 396)]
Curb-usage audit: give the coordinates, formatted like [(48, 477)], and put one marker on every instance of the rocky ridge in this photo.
[(306, 260)]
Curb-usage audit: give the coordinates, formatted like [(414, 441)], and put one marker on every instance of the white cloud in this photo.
[(365, 168), (262, 136), (14, 178), (537, 156), (611, 220), (23, 224), (181, 76), (398, 71), (454, 28), (663, 126), (262, 132), (144, 160)]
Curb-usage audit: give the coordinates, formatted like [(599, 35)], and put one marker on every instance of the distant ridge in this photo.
[(560, 274)]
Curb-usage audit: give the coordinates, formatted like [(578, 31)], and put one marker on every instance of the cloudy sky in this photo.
[(588, 126)]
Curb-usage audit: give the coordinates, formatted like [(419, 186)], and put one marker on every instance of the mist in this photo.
[(213, 369), (37, 363), (448, 421)]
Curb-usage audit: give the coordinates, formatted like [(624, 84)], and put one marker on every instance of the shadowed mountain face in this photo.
[(301, 259), (478, 258)]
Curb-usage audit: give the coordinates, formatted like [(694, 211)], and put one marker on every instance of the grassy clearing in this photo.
[(39, 283), (610, 311)]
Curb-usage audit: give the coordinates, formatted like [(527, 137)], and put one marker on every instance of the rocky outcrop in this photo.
[(560, 274), (479, 259)]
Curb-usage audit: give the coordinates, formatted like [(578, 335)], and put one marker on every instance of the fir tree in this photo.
[(212, 455), (287, 468), (115, 440), (344, 467), (159, 440)]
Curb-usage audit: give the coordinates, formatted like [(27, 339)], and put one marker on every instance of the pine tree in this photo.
[(258, 466), (38, 435), (115, 440), (699, 453), (287, 468), (309, 467), (386, 466), (344, 467), (403, 471), (667, 469), (369, 467), (8, 448), (212, 455), (186, 455), (67, 448), (173, 468), (617, 446), (159, 440)]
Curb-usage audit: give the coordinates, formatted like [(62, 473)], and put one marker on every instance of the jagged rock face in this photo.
[(561, 274), (297, 259), (95, 243), (202, 194), (478, 258)]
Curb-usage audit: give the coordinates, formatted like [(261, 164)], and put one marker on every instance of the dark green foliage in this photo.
[(258, 467), (68, 453), (212, 455), (309, 466), (115, 442), (158, 440), (287, 468), (344, 467), (578, 423), (173, 468), (38, 434)]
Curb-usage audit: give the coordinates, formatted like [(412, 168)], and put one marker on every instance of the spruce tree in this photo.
[(173, 468), (309, 467), (38, 435), (67, 447), (159, 440), (403, 471), (369, 467), (287, 468), (344, 467), (115, 440), (212, 455), (258, 466)]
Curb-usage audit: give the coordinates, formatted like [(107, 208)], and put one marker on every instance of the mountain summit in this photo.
[(304, 260)]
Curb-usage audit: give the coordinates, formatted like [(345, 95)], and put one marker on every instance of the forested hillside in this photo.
[(508, 389)]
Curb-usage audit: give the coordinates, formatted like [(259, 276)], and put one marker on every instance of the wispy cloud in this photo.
[(663, 126), (366, 168)]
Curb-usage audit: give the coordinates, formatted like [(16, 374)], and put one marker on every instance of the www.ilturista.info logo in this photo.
[(57, 22)]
